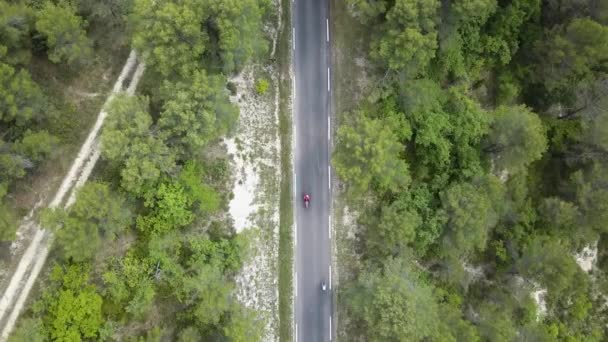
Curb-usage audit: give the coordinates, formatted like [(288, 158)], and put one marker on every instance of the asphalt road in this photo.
[(313, 307)]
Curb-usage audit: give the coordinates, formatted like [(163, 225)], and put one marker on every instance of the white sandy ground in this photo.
[(35, 255), (587, 258), (255, 206), (539, 295), (255, 152)]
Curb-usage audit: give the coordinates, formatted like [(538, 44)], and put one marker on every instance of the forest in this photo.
[(478, 167), (146, 252)]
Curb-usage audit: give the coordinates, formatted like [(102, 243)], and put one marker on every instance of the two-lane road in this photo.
[(313, 307)]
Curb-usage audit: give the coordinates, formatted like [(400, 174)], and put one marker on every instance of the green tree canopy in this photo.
[(245, 325), (8, 221), (366, 10), (64, 32), (238, 26), (196, 112), (21, 100), (409, 39), (516, 138), (470, 219), (550, 262), (96, 216), (192, 179), (592, 196), (170, 209), (128, 284), (169, 34), (368, 153), (393, 304), (16, 21), (129, 141), (395, 230), (174, 36), (72, 307), (573, 53), (423, 102)]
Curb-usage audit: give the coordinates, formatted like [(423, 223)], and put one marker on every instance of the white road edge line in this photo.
[(296, 332), (328, 88), (329, 177), (330, 277), (327, 29), (330, 327), (328, 129), (293, 36), (296, 284)]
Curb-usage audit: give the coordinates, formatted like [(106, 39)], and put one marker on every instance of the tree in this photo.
[(366, 10), (592, 197), (367, 153), (21, 100), (396, 229), (423, 102), (196, 112), (548, 261), (35, 146), (72, 309), (64, 32), (495, 323), (175, 36), (502, 38), (129, 141), (113, 12), (516, 138), (169, 210), (573, 54), (207, 295), (394, 304), (8, 221), (244, 325), (466, 233), (128, 285), (96, 215), (564, 219), (16, 22), (190, 334), (409, 39), (469, 123), (169, 34), (191, 178), (238, 27)]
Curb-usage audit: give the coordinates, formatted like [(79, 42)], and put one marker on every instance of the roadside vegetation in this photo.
[(477, 167), (147, 251)]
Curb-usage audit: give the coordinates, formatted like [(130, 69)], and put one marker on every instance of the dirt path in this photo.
[(33, 259)]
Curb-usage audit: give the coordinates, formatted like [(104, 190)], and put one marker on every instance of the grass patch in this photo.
[(286, 200)]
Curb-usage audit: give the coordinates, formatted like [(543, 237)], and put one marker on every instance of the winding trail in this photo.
[(34, 257)]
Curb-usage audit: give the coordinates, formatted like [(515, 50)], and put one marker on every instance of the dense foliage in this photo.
[(479, 169), (145, 252)]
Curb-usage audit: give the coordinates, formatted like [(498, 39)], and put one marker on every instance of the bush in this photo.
[(231, 86), (261, 86)]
